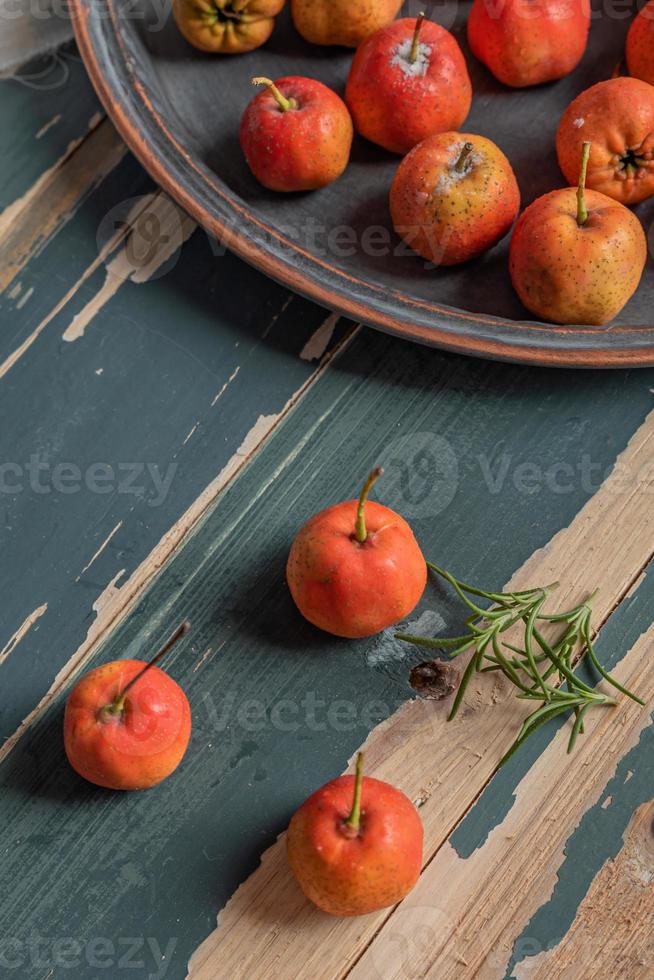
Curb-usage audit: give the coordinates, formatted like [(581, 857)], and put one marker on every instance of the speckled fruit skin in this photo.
[(201, 24), (447, 218), (342, 22), (640, 45), (351, 589), (133, 750), (300, 150), (396, 104), (355, 876), (574, 274), (616, 116), (528, 42)]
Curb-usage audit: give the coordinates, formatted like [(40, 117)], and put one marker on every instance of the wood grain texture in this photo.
[(22, 630), (115, 602), (191, 491), (201, 365), (44, 292), (209, 349), (41, 123), (476, 907), (158, 865), (137, 260), (612, 932), (26, 225), (451, 761)]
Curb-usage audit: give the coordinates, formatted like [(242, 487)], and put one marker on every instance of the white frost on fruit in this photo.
[(450, 177), (412, 69)]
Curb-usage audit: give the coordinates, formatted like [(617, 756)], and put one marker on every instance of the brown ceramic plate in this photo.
[(179, 111)]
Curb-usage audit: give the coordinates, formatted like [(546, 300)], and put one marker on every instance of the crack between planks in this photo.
[(623, 596)]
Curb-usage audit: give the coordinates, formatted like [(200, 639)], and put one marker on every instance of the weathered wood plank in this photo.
[(599, 835), (475, 908), (41, 123), (26, 225), (45, 285), (236, 343), (612, 932), (450, 762), (198, 835)]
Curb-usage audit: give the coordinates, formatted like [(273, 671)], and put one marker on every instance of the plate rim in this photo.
[(506, 340)]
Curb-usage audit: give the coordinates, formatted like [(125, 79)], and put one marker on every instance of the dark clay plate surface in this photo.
[(179, 111)]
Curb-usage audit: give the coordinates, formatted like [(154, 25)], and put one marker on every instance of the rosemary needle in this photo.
[(531, 666)]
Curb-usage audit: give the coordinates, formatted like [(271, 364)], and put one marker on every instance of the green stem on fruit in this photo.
[(582, 210), (415, 44), (117, 706), (284, 104), (463, 156), (353, 822), (360, 529)]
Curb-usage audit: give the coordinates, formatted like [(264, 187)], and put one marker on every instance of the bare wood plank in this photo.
[(612, 933), (268, 928), (476, 907), (28, 223)]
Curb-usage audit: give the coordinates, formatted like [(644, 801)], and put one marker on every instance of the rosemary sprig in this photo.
[(541, 670)]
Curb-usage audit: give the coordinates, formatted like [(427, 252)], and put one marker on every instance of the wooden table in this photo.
[(170, 418)]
